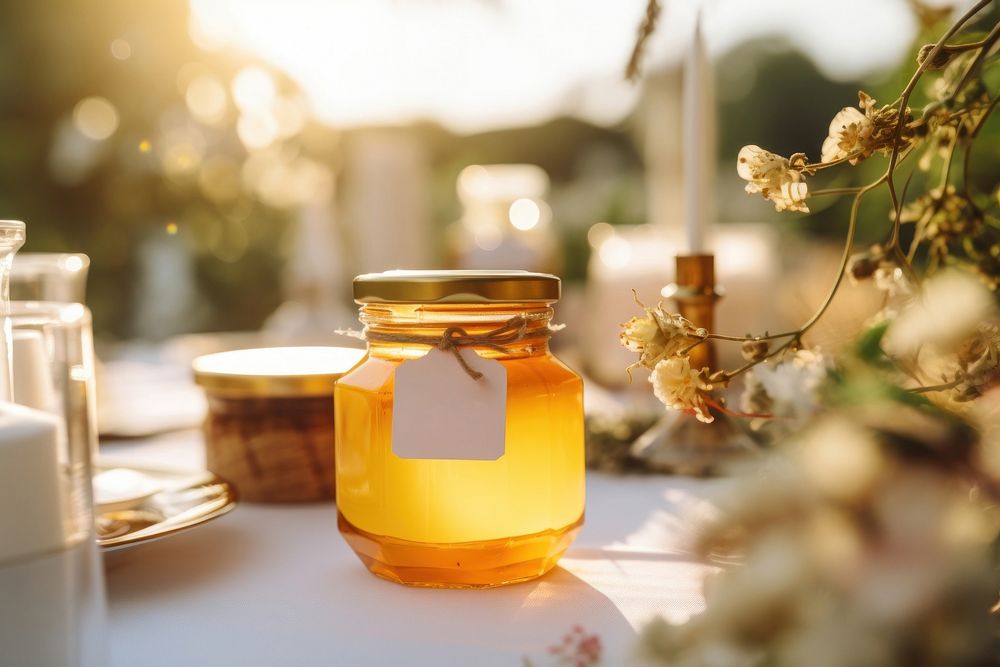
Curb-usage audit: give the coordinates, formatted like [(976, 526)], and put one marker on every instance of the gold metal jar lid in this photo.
[(274, 371), (456, 287)]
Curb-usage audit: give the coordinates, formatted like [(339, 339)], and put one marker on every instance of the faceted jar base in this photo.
[(482, 564)]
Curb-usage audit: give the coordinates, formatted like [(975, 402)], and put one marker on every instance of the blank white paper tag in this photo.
[(439, 412)]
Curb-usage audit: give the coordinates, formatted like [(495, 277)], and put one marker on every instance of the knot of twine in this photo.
[(455, 338)]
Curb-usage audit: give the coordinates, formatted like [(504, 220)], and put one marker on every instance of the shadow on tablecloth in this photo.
[(526, 617)]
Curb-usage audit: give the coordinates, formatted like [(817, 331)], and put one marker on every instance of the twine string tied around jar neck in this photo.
[(453, 339)]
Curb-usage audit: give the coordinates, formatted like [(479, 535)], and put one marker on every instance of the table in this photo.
[(276, 585)]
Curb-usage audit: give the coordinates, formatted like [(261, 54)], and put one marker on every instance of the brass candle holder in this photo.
[(679, 443), (696, 294)]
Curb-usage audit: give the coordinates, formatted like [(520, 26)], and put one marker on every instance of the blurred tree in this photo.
[(167, 171), (134, 182)]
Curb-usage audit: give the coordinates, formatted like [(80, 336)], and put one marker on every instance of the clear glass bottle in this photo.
[(461, 523)]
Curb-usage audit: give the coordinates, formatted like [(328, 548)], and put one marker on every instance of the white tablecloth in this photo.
[(276, 585)]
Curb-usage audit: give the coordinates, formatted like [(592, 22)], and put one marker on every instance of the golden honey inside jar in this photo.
[(455, 521)]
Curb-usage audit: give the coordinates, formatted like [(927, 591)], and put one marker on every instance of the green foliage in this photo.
[(868, 347)]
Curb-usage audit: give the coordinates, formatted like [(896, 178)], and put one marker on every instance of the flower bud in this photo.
[(754, 350), (863, 266), (941, 59)]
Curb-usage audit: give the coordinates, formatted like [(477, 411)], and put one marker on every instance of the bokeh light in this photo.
[(206, 99), (598, 233), (181, 159), (72, 263), (487, 237), (96, 118), (289, 115), (253, 89), (219, 179), (524, 214), (615, 252), (257, 130), (121, 49)]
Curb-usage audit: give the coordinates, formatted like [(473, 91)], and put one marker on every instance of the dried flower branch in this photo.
[(879, 508), (950, 226)]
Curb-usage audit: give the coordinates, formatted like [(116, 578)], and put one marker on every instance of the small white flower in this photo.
[(840, 458), (773, 177), (947, 310), (681, 387), (857, 133), (866, 103), (639, 332), (655, 335), (890, 279), (980, 359), (850, 134), (788, 388)]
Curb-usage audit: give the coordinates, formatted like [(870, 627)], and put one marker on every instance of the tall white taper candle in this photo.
[(698, 141)]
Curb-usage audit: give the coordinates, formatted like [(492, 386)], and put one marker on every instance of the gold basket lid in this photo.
[(274, 371), (456, 287)]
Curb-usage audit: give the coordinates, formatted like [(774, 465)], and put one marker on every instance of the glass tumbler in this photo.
[(53, 363), (54, 612), (49, 276)]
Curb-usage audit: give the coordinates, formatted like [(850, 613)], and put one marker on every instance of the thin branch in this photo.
[(970, 142), (893, 244), (904, 263), (816, 166), (834, 191), (743, 339), (905, 95), (937, 387), (646, 28), (845, 258), (974, 66), (692, 345), (897, 214), (946, 172)]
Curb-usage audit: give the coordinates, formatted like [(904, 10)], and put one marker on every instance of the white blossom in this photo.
[(655, 335), (979, 358), (890, 279), (788, 388), (639, 333), (773, 177), (948, 309), (681, 387), (850, 133)]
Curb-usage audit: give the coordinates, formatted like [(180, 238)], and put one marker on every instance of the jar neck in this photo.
[(430, 322)]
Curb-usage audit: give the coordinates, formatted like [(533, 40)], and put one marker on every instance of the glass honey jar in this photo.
[(457, 515)]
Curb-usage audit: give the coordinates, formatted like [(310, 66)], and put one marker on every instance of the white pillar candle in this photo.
[(31, 495), (699, 141)]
